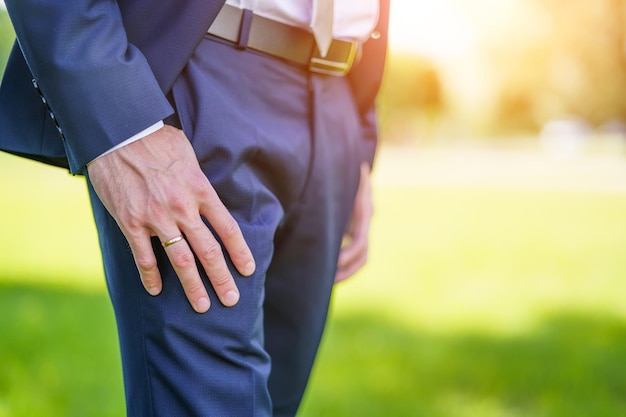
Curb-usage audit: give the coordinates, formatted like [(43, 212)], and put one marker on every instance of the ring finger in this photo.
[(183, 261)]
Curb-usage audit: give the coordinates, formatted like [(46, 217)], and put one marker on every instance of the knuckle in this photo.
[(199, 184), (146, 265), (243, 253), (230, 229), (221, 280), (178, 202), (132, 227), (211, 253), (131, 221), (195, 288), (196, 227), (183, 259)]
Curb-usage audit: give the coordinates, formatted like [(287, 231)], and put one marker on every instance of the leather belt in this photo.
[(248, 30)]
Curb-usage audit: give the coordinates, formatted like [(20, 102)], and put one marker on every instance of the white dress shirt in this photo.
[(353, 21)]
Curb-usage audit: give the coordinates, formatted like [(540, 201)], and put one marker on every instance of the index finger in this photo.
[(228, 230)]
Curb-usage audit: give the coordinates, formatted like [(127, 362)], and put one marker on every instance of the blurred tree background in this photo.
[(502, 68)]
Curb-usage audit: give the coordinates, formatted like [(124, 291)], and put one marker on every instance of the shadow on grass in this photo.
[(59, 357), (570, 365)]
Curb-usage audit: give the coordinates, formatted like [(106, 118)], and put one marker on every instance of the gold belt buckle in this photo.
[(338, 61)]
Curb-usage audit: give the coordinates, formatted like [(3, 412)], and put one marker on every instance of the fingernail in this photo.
[(249, 269), (154, 291), (203, 304), (231, 298)]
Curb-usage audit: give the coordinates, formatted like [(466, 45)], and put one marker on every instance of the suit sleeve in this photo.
[(99, 87)]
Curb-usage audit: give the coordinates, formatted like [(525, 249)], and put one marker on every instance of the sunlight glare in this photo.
[(433, 29)]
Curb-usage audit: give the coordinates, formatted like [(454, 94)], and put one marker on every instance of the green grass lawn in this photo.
[(478, 301)]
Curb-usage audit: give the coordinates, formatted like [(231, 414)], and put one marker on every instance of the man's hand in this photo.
[(353, 254), (155, 187)]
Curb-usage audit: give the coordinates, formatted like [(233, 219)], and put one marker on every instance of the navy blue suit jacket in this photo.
[(103, 69)]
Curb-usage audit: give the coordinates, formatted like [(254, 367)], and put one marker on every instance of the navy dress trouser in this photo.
[(282, 148)]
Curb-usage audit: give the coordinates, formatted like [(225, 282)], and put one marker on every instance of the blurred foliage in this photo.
[(526, 62), (7, 36), (569, 60), (411, 97)]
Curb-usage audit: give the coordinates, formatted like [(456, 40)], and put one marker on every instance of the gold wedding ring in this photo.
[(172, 241)]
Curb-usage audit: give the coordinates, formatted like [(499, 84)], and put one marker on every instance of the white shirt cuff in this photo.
[(134, 138)]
